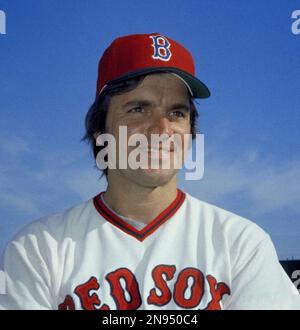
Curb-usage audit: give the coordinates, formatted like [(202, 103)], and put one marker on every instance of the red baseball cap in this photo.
[(137, 54)]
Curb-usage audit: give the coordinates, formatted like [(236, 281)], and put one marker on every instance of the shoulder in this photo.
[(55, 227), (225, 223), (238, 239)]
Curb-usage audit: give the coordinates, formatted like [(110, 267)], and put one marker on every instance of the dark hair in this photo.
[(96, 116)]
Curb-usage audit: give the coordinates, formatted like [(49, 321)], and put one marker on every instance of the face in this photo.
[(158, 105)]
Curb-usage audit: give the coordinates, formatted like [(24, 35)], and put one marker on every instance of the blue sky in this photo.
[(244, 51)]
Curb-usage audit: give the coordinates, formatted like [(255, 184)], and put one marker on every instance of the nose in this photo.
[(161, 125)]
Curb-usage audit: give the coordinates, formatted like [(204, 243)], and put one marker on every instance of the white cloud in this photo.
[(267, 186), (13, 145), (36, 181), (86, 183), (276, 187), (19, 202)]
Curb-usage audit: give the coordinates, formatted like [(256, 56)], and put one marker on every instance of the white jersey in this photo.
[(193, 255)]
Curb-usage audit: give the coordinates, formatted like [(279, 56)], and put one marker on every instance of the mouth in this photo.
[(158, 154)]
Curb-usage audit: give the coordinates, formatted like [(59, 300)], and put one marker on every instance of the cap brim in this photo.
[(199, 89)]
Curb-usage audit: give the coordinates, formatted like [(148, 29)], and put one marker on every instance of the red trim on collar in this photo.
[(115, 220)]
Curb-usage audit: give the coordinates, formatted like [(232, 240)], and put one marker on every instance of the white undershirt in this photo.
[(136, 224)]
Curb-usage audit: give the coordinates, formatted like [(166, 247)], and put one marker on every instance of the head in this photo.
[(107, 113), (147, 94)]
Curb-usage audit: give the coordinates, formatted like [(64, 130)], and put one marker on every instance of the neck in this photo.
[(138, 202)]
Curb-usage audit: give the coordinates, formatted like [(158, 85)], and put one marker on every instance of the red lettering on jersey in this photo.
[(197, 288), (68, 304), (83, 292), (161, 284), (217, 291), (118, 293)]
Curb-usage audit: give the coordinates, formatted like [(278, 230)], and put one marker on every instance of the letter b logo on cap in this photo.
[(161, 48)]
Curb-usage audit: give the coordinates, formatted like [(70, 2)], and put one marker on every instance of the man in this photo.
[(143, 243)]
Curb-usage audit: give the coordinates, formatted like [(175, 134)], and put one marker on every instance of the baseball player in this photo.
[(143, 243)]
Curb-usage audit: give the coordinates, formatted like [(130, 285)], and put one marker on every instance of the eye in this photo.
[(177, 114), (136, 109)]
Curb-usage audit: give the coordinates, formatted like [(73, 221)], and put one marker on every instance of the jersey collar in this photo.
[(140, 235)]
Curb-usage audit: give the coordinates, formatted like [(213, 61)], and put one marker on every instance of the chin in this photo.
[(150, 178), (154, 177)]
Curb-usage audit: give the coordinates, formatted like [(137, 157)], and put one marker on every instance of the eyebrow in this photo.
[(141, 102)]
